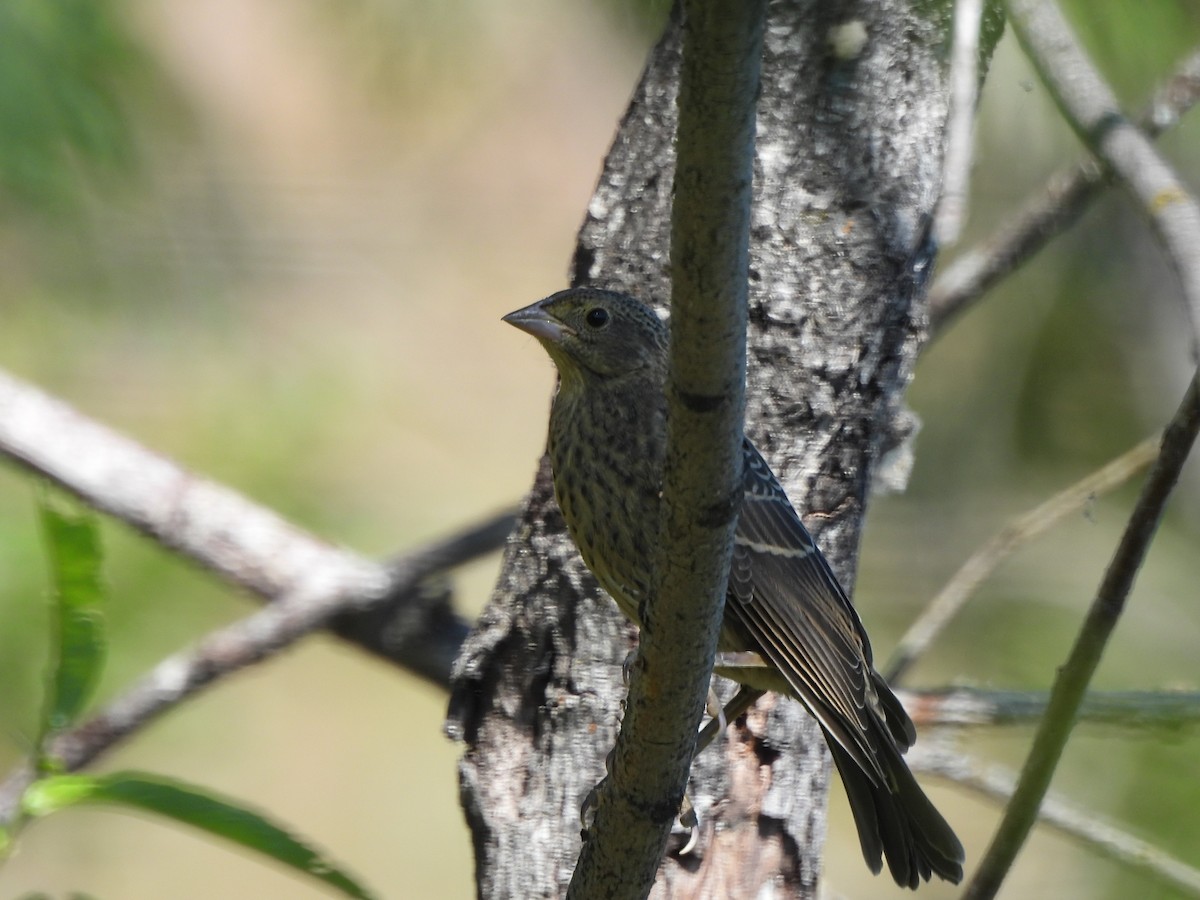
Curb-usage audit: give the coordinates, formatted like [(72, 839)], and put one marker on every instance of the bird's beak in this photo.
[(536, 321)]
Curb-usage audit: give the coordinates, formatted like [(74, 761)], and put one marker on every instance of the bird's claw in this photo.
[(689, 821)]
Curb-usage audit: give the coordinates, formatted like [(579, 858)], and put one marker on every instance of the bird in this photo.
[(606, 443)]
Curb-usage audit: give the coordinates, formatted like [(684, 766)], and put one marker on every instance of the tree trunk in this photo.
[(847, 171)]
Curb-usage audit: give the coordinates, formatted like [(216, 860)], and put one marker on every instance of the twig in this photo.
[(1091, 109), (248, 641), (1020, 531), (1076, 673), (1083, 825), (1139, 711), (415, 623), (1051, 209), (960, 130), (243, 543)]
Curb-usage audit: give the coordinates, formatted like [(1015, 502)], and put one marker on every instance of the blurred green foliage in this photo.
[(1132, 42), (67, 68)]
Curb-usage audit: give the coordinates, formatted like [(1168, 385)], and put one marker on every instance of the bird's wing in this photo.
[(785, 598)]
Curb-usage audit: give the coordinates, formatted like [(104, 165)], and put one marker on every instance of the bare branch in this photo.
[(414, 625), (960, 129), (1080, 824), (1076, 673), (1091, 109), (1020, 531), (1174, 216), (243, 543), (1051, 209), (1089, 106), (246, 544), (260, 636), (1138, 711), (392, 609)]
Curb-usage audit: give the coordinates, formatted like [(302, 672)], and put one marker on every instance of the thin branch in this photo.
[(1080, 824), (1017, 533), (243, 543), (960, 129), (710, 232), (415, 624), (1091, 109), (968, 707), (1051, 209), (248, 641), (1076, 673), (1174, 216)]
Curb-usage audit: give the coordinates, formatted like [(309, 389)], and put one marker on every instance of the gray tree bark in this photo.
[(847, 172)]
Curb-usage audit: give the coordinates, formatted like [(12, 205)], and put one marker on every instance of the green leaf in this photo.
[(191, 806), (77, 660)]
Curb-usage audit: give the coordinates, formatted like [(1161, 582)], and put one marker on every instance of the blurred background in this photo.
[(272, 240)]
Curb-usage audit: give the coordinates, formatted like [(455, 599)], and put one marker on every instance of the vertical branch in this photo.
[(722, 50), (1022, 530), (960, 130)]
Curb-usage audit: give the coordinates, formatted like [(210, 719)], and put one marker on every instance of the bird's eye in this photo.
[(597, 317)]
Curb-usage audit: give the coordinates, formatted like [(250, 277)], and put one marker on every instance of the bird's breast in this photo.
[(606, 458)]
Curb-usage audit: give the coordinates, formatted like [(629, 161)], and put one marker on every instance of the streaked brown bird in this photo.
[(607, 441)]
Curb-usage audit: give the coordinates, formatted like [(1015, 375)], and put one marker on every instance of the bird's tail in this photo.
[(897, 821)]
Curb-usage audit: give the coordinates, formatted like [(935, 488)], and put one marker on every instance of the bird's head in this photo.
[(594, 333)]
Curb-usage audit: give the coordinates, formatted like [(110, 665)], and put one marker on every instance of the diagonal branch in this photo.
[(1080, 824), (258, 637), (1076, 673), (1051, 209), (1091, 109), (1174, 216), (245, 544), (951, 599)]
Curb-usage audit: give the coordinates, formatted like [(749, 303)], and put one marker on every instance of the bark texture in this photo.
[(847, 172)]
